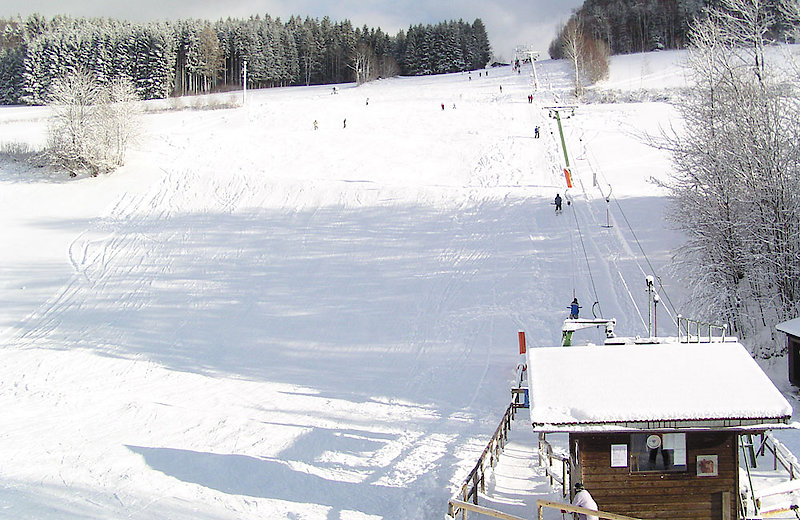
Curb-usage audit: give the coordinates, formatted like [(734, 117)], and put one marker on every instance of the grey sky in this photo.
[(508, 22)]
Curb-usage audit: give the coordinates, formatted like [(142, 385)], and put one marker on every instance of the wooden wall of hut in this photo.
[(679, 495)]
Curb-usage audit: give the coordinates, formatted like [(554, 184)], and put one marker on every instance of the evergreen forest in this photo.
[(165, 59)]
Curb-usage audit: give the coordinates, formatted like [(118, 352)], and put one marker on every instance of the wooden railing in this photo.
[(546, 458), (781, 455), (541, 504), (476, 480), (466, 506)]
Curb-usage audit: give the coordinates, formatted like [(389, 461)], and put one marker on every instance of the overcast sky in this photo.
[(508, 22)]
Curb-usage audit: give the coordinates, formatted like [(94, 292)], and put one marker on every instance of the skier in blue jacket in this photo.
[(574, 309)]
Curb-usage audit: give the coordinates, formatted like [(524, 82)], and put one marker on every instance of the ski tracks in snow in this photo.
[(254, 344)]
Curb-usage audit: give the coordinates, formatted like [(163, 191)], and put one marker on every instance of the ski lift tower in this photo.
[(555, 113), (527, 51)]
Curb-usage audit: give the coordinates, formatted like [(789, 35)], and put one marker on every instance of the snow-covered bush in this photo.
[(91, 125), (643, 95)]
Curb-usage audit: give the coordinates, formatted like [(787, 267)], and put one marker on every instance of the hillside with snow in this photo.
[(257, 319)]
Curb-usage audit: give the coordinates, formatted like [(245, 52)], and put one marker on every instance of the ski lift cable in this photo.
[(572, 257), (588, 266), (591, 161), (586, 257), (662, 289)]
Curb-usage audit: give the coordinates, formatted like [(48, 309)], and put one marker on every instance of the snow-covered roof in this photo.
[(675, 385), (791, 327)]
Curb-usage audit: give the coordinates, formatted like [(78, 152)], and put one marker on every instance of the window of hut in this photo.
[(658, 452)]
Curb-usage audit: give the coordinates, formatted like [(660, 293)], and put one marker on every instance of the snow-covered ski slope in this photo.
[(256, 319)]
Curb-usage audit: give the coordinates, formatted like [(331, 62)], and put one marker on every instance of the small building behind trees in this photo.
[(654, 430), (791, 329)]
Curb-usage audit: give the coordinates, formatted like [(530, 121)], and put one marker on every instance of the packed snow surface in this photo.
[(663, 382), (256, 319)]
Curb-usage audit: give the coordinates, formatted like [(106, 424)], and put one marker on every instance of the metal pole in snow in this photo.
[(608, 215), (650, 281), (656, 299), (561, 133)]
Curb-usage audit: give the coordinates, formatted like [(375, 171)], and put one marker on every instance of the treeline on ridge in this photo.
[(628, 26), (162, 59)]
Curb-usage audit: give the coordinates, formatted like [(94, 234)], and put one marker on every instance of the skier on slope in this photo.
[(574, 309), (558, 203)]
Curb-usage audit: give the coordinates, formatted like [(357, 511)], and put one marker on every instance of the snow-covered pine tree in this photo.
[(12, 67), (35, 80), (425, 50), (411, 62), (267, 72), (153, 65), (484, 48), (99, 59), (12, 60), (345, 50), (289, 61), (309, 48)]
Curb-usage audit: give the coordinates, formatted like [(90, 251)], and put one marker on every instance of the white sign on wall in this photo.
[(619, 455)]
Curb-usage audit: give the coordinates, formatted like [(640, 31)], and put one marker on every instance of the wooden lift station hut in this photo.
[(654, 430)]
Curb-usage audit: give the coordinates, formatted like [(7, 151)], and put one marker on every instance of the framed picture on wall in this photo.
[(707, 466)]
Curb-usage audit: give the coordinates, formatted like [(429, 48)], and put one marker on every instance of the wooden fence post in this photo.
[(774, 459), (726, 505)]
